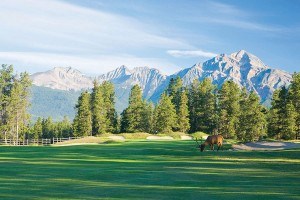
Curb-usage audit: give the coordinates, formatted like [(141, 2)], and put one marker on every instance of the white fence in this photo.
[(35, 141), (56, 140), (25, 142)]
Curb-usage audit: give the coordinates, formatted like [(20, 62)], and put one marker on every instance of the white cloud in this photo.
[(47, 33), (197, 53), (92, 65), (53, 25)]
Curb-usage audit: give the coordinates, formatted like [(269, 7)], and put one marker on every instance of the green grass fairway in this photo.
[(147, 170)]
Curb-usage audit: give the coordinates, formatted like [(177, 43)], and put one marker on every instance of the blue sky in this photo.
[(97, 36)]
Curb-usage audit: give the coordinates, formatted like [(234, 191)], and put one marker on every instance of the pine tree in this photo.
[(17, 105), (147, 117), (245, 113), (174, 90), (124, 124), (63, 128), (38, 129), (183, 113), (193, 105), (99, 115), (287, 115), (273, 116), (132, 118), (83, 120), (108, 93), (252, 123), (295, 98), (202, 106), (282, 117), (6, 83), (207, 110), (229, 97), (48, 128), (165, 115)]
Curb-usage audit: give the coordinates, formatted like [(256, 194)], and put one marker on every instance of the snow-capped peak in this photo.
[(245, 58)]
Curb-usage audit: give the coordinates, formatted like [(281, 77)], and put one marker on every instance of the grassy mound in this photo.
[(135, 136)]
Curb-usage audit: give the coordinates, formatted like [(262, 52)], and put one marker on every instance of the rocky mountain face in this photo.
[(242, 67), (62, 79)]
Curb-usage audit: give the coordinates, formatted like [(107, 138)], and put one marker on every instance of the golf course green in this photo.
[(147, 170)]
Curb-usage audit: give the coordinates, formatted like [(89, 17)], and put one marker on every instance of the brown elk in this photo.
[(211, 140)]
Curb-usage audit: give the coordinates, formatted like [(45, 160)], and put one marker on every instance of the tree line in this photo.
[(228, 110)]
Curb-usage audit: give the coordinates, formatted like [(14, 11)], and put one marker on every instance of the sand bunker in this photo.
[(258, 146), (185, 137), (116, 137), (154, 137)]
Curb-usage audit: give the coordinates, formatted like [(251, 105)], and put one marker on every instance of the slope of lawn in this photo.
[(147, 170)]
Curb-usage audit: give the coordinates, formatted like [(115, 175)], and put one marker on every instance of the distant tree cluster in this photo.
[(47, 128), (14, 102), (200, 107), (95, 111)]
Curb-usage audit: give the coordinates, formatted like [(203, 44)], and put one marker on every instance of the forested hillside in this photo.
[(47, 102)]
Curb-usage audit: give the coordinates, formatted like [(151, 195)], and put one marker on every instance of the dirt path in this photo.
[(257, 146)]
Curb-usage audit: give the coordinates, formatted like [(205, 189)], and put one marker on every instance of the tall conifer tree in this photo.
[(37, 129), (287, 115), (295, 98), (183, 113), (132, 117), (165, 115), (229, 97), (202, 106), (273, 117), (48, 128), (252, 123), (108, 93), (99, 112), (83, 119), (174, 90), (17, 105)]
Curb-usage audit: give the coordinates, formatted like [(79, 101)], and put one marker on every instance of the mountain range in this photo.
[(244, 68)]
